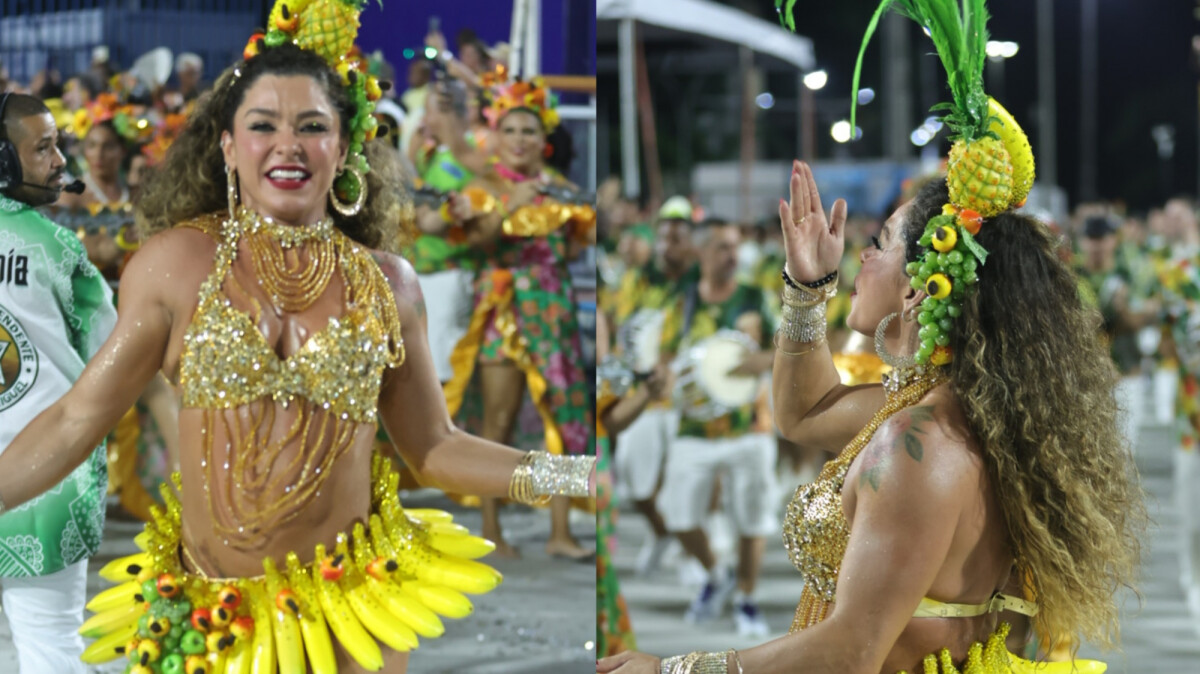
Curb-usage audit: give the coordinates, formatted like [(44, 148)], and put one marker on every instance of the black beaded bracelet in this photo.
[(815, 285)]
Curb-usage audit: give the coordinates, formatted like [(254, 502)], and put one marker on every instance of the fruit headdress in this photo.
[(990, 169), (505, 96), (328, 28)]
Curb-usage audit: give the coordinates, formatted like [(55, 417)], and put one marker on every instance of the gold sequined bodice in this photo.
[(273, 428), (227, 363), (815, 530)]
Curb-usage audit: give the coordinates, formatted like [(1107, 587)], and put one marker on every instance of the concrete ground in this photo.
[(541, 620), (1158, 637)]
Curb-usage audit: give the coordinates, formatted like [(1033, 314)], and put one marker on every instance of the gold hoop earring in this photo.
[(231, 190), (357, 193), (889, 358)]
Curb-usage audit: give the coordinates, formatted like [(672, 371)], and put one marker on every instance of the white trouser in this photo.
[(1131, 396), (448, 305), (1166, 383), (642, 451), (748, 467), (45, 614), (1187, 478)]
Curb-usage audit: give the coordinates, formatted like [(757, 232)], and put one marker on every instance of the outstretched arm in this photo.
[(63, 435), (413, 409)]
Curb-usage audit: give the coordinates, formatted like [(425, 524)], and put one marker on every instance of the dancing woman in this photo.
[(988, 469), (290, 332), (523, 335)]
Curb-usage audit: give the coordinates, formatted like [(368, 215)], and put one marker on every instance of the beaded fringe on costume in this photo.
[(388, 581)]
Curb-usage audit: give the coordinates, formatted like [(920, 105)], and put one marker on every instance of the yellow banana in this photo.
[(112, 620), (262, 644), (239, 656), (374, 616), (289, 646), (428, 515), (115, 597), (435, 568), (317, 642), (126, 568), (106, 647), (1017, 144), (342, 620), (435, 528), (142, 540), (462, 575), (465, 547), (378, 621), (442, 600), (408, 610)]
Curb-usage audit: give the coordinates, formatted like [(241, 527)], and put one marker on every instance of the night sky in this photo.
[(1145, 78)]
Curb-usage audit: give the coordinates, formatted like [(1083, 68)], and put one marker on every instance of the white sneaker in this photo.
[(650, 558), (710, 603), (750, 620), (692, 573)]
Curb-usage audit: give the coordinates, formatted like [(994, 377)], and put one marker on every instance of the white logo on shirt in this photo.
[(18, 361)]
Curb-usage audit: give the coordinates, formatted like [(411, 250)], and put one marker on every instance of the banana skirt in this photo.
[(993, 658), (390, 582)]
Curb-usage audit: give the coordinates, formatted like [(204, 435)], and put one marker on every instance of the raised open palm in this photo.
[(813, 243)]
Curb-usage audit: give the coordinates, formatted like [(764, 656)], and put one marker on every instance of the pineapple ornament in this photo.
[(990, 168)]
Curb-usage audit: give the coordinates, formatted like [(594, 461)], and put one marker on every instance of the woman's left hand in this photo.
[(629, 662)]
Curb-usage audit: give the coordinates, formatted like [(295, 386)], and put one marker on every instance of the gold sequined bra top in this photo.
[(816, 533), (227, 362)]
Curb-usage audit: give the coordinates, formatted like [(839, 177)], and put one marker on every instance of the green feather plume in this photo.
[(960, 38)]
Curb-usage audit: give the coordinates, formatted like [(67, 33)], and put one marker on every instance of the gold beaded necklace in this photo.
[(292, 283)]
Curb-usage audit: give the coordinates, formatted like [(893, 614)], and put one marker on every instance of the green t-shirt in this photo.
[(55, 312)]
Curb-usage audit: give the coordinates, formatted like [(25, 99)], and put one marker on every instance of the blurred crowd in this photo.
[(1138, 269)]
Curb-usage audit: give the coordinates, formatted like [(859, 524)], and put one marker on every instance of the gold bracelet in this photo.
[(737, 660), (520, 487), (697, 662), (815, 345)]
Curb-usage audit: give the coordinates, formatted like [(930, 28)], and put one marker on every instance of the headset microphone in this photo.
[(76, 187)]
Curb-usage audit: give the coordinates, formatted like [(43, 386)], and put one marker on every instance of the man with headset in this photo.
[(55, 312)]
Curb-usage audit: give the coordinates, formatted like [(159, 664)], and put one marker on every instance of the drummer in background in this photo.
[(729, 444), (655, 287)]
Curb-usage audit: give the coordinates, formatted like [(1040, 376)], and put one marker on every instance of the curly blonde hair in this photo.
[(191, 180), (1037, 385)]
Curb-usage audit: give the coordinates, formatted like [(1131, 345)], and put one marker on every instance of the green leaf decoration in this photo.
[(862, 49), (972, 245), (960, 39), (786, 18)]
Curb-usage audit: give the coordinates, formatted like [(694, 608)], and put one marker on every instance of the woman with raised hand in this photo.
[(987, 476)]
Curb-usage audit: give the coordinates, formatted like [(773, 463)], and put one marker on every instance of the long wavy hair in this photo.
[(191, 180), (1037, 385)]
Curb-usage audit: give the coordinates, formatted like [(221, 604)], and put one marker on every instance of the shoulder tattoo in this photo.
[(908, 432)]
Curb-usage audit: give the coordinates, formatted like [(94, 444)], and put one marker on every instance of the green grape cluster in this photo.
[(167, 624), (347, 186), (948, 268)]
